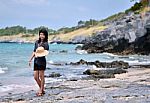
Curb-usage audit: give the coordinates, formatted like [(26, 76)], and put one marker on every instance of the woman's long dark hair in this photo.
[(45, 32)]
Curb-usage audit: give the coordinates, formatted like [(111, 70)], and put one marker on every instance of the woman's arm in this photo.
[(32, 56), (46, 46)]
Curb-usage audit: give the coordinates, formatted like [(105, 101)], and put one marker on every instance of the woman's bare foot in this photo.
[(39, 94)]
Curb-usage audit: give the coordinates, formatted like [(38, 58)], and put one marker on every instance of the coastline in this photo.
[(130, 87)]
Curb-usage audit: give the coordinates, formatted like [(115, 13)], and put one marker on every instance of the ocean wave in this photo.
[(81, 52), (56, 62), (110, 54), (50, 62), (6, 88), (3, 69), (137, 62), (79, 44), (51, 80)]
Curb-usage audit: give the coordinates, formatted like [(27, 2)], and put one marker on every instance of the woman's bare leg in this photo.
[(36, 77), (42, 78)]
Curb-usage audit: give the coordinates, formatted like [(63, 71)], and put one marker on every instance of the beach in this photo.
[(131, 87)]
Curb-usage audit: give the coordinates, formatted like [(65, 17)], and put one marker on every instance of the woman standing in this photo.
[(40, 51)]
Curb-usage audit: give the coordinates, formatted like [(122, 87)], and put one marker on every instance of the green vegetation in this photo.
[(81, 24), (14, 30), (113, 17), (138, 6)]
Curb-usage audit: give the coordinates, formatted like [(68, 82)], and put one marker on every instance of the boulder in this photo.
[(107, 73), (98, 64)]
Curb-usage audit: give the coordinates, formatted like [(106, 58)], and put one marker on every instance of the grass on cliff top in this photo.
[(64, 37), (80, 32)]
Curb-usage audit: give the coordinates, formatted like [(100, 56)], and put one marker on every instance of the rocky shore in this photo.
[(130, 87), (127, 35)]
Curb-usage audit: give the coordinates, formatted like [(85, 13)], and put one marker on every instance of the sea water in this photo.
[(15, 74)]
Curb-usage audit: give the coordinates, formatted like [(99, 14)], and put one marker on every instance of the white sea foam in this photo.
[(79, 44), (137, 62), (94, 67), (81, 52), (3, 69), (50, 62), (109, 54), (51, 80), (6, 88), (70, 76)]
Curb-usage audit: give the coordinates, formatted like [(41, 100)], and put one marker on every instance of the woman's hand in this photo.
[(30, 63), (30, 60)]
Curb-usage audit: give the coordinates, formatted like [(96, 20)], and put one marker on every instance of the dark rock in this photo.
[(48, 68), (104, 76), (91, 71), (78, 39), (53, 74), (79, 63), (20, 99), (109, 73), (114, 64), (9, 93), (63, 51), (142, 43), (79, 47), (127, 35), (82, 62), (58, 64), (73, 79)]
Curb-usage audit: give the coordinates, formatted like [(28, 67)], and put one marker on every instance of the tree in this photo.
[(81, 23), (144, 2)]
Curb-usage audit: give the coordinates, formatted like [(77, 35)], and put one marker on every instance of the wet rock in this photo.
[(79, 62), (48, 68), (108, 73), (20, 99), (53, 74), (57, 64), (98, 64), (79, 47), (63, 51)]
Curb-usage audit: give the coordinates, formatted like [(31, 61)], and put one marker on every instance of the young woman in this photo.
[(40, 51)]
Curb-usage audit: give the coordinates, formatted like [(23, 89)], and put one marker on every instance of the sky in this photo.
[(55, 14)]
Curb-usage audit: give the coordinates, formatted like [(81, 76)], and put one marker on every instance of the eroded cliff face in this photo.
[(127, 35)]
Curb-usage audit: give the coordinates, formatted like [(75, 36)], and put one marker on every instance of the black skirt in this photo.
[(39, 67), (39, 63)]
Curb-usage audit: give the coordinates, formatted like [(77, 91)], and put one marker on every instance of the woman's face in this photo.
[(42, 36)]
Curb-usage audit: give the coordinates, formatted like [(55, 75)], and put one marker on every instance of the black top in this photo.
[(40, 60)]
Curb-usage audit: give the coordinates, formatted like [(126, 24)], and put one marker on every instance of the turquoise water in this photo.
[(14, 69), (15, 56)]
